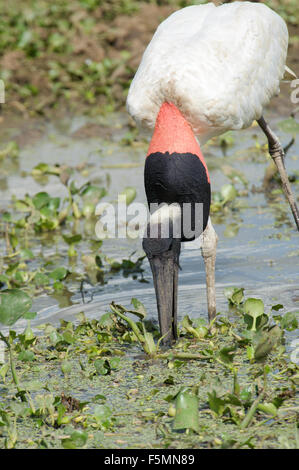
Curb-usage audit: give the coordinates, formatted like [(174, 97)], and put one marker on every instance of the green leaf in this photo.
[(41, 279), (186, 416), (114, 362), (102, 413), (268, 408), (216, 403), (226, 354), (261, 321), (30, 315), (22, 206), (266, 342), (92, 194), (40, 169), (228, 193), (235, 295), (77, 439), (26, 356), (59, 273), (68, 337), (72, 239), (41, 200), (149, 343), (102, 366), (3, 371), (254, 308), (140, 309), (277, 307), (14, 304), (289, 321), (66, 367)]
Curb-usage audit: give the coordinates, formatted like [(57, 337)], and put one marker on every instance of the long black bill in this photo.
[(165, 266)]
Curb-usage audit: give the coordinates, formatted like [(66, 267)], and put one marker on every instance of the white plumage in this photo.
[(219, 65)]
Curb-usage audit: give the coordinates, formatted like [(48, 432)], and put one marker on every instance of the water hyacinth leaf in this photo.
[(254, 308), (217, 404), (55, 337), (40, 169), (102, 413), (198, 332), (41, 279), (40, 200), (54, 204), (277, 307), (149, 343), (114, 362), (268, 408), (106, 321), (92, 194), (66, 367), (232, 399), (14, 303), (226, 354), (139, 308), (29, 315), (186, 415), (267, 340), (102, 366), (228, 193), (261, 321), (289, 321), (26, 356), (246, 395), (68, 337), (235, 295), (128, 194), (22, 206), (3, 371), (72, 239), (59, 273), (28, 333), (58, 286), (77, 439)]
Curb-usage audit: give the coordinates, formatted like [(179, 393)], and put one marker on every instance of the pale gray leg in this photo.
[(277, 154), (209, 240)]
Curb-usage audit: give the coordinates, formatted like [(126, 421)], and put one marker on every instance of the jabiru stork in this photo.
[(207, 70)]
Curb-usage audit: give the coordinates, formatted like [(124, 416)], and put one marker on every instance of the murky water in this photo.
[(251, 251)]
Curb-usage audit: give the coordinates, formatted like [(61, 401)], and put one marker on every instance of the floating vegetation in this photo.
[(87, 384)]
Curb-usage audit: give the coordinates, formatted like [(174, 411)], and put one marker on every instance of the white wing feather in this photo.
[(219, 65)]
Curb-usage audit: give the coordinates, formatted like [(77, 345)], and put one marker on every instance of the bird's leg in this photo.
[(277, 154), (208, 251)]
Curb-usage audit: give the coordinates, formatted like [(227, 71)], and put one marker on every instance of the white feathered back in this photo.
[(219, 65)]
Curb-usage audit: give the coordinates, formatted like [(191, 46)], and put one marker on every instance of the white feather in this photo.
[(219, 65)]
